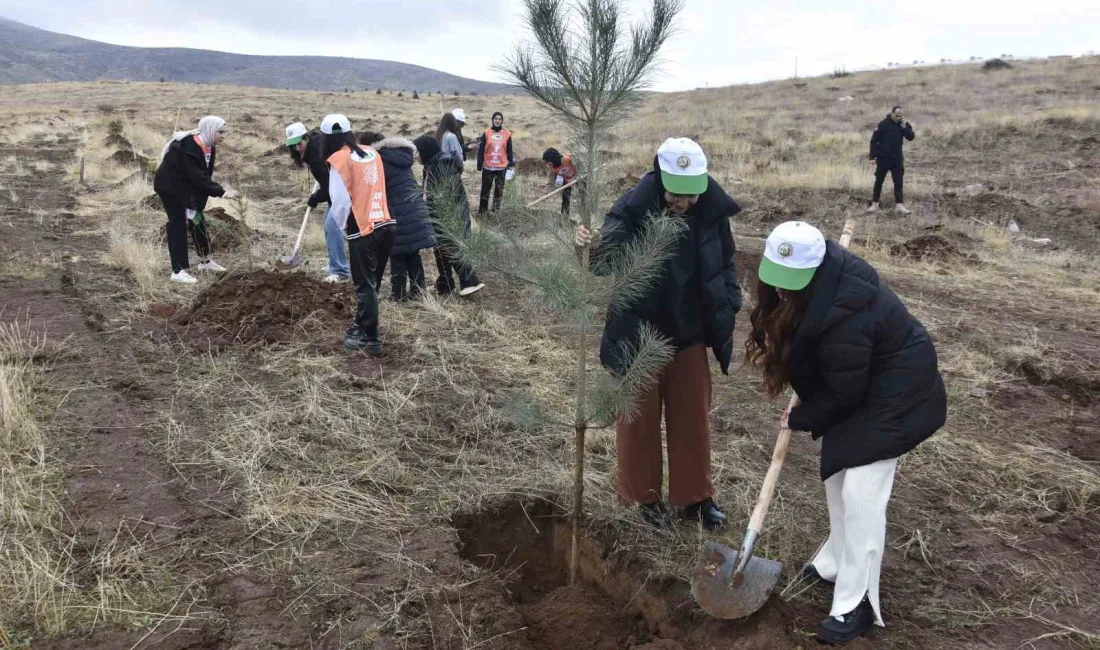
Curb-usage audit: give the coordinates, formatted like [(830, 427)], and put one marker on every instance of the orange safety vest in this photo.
[(496, 149), (566, 170), (365, 179), (206, 151)]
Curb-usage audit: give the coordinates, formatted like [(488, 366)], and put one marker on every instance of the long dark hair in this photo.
[(336, 141), (775, 322), (448, 124), (295, 155)]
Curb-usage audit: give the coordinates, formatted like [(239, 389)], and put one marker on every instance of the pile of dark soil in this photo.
[(269, 307), (926, 247), (996, 64), (530, 167)]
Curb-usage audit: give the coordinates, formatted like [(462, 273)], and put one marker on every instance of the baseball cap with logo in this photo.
[(294, 133), (792, 254), (335, 123), (459, 114), (683, 166)]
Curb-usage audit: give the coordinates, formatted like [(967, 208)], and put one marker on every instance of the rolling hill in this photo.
[(32, 55)]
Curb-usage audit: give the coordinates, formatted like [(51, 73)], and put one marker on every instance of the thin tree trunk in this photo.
[(580, 425)]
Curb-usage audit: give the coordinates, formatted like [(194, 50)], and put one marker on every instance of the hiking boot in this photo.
[(183, 277), (900, 208), (655, 514), (211, 265), (839, 630), (873, 207), (707, 513), (471, 290), (356, 339)]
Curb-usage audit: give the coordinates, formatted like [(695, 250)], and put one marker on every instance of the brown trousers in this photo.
[(684, 391)]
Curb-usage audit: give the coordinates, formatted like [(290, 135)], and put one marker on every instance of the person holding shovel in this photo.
[(408, 208), (305, 148), (495, 161), (184, 181), (693, 305), (867, 376), (562, 171), (357, 191)]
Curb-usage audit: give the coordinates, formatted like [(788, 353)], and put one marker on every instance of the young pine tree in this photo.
[(588, 68)]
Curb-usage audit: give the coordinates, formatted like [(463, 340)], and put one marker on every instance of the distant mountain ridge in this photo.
[(32, 55)]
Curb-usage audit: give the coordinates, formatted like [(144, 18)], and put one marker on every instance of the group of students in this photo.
[(824, 322)]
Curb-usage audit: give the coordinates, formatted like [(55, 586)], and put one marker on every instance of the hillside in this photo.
[(31, 55), (205, 466)]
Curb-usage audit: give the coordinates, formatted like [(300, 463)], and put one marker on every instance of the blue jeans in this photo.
[(337, 247)]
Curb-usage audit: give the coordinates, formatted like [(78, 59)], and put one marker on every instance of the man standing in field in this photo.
[(886, 155)]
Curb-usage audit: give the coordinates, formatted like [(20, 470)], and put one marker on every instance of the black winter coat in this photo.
[(183, 177), (698, 298), (864, 368), (406, 202), (318, 168), (887, 141)]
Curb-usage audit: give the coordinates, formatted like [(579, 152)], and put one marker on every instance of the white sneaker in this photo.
[(183, 277), (471, 290), (901, 208), (873, 208), (332, 278), (211, 265)]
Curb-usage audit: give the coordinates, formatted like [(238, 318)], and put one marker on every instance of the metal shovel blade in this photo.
[(290, 261), (719, 594)]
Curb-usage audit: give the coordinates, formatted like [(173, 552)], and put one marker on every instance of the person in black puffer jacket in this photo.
[(694, 305), (408, 208), (446, 200), (867, 376), (184, 181)]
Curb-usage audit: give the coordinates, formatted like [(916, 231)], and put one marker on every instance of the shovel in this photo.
[(295, 257), (733, 584)]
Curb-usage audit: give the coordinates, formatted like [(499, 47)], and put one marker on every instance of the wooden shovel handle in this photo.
[(560, 189), (767, 489)]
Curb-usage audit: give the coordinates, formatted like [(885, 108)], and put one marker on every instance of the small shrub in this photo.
[(996, 64), (840, 72)]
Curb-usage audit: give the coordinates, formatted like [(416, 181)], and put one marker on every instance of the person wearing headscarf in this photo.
[(184, 181), (495, 161)]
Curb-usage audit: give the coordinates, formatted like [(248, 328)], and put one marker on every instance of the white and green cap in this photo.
[(335, 123), (294, 133), (792, 254), (683, 166)]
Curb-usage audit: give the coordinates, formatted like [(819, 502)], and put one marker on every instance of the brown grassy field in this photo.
[(206, 467)]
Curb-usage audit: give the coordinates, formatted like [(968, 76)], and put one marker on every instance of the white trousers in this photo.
[(851, 557)]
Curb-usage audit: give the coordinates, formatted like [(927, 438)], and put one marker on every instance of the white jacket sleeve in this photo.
[(339, 200)]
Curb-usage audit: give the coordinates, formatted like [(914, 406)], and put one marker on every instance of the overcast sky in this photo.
[(719, 42)]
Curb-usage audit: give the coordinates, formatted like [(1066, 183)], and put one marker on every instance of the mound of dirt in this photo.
[(996, 64), (530, 166), (926, 247), (991, 208), (269, 307), (127, 156)]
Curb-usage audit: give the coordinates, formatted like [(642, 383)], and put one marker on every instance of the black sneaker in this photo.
[(655, 514), (845, 629), (355, 339), (708, 514)]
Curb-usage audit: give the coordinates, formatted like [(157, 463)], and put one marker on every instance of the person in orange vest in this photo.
[(495, 161), (358, 205), (562, 170)]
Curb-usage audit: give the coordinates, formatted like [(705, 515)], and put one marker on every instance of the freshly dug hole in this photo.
[(618, 604)]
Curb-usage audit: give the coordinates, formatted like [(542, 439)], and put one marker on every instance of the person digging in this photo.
[(867, 376), (184, 182), (306, 149), (357, 190), (694, 305), (495, 161), (886, 157), (562, 171)]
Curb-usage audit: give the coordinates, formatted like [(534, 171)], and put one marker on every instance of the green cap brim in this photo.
[(784, 277), (293, 141), (684, 184)]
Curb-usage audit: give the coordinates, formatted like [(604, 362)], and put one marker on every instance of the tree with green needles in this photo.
[(589, 69)]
